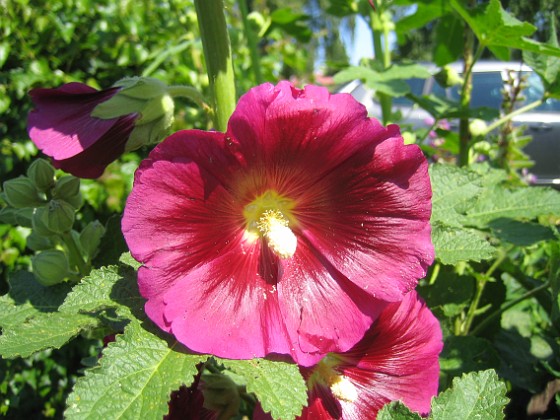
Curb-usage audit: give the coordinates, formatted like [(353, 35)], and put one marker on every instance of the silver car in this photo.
[(542, 123)]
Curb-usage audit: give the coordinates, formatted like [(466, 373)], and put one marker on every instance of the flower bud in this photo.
[(37, 242), (90, 238), (41, 173), (16, 217), (448, 77), (477, 127), (67, 188), (50, 267), (20, 192), (56, 218), (146, 97)]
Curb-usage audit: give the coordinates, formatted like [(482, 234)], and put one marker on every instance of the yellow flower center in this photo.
[(340, 386), (269, 216)]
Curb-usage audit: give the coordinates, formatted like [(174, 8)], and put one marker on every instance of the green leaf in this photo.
[(466, 354), (396, 410), (107, 287), (450, 292), (279, 386), (494, 27), (27, 298), (425, 13), (449, 36), (520, 233), (391, 81), (521, 203), (50, 330), (342, 8), (547, 67), (479, 395), (134, 379), (454, 244)]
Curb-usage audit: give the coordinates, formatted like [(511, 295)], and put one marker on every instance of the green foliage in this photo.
[(479, 395), (278, 386)]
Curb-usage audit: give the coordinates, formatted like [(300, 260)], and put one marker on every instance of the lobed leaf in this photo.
[(479, 395), (50, 330), (453, 244), (396, 410), (135, 378), (279, 386)]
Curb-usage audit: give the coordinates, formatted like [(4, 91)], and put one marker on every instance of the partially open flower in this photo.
[(83, 129), (287, 234), (397, 360)]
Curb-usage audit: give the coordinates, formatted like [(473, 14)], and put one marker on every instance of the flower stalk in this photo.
[(217, 52)]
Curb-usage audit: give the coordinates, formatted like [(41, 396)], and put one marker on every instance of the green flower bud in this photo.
[(477, 127), (50, 267), (448, 77), (41, 173), (23, 217), (57, 217), (90, 238), (67, 188), (149, 99), (20, 192), (37, 242)]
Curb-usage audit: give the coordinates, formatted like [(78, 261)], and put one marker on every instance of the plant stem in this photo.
[(480, 284), (251, 42), (515, 113), (504, 308), (377, 27), (75, 254), (179, 91), (464, 131), (219, 65)]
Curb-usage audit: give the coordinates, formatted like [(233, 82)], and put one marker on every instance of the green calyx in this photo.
[(150, 100)]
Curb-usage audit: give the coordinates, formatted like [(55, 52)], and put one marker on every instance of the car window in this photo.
[(416, 88), (487, 90), (535, 91)]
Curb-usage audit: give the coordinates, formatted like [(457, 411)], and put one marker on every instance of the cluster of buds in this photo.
[(47, 204)]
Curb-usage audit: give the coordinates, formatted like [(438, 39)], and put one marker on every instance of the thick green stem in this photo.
[(383, 57), (219, 65), (251, 42), (464, 131)]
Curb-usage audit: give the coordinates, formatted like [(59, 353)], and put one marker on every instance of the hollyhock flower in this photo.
[(83, 129), (397, 360), (286, 234)]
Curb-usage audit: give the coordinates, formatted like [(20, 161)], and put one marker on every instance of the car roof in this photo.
[(484, 66)]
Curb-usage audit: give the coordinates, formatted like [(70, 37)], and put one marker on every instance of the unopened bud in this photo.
[(37, 242), (41, 173), (90, 238), (448, 77), (477, 127), (149, 99), (57, 217), (50, 267), (20, 192), (67, 188)]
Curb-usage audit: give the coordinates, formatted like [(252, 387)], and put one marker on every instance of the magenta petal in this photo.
[(61, 124), (397, 360), (91, 162)]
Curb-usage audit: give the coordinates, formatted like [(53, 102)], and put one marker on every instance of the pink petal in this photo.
[(61, 124)]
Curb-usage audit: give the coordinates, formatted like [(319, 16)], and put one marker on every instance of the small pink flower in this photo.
[(62, 127), (397, 360), (285, 235)]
